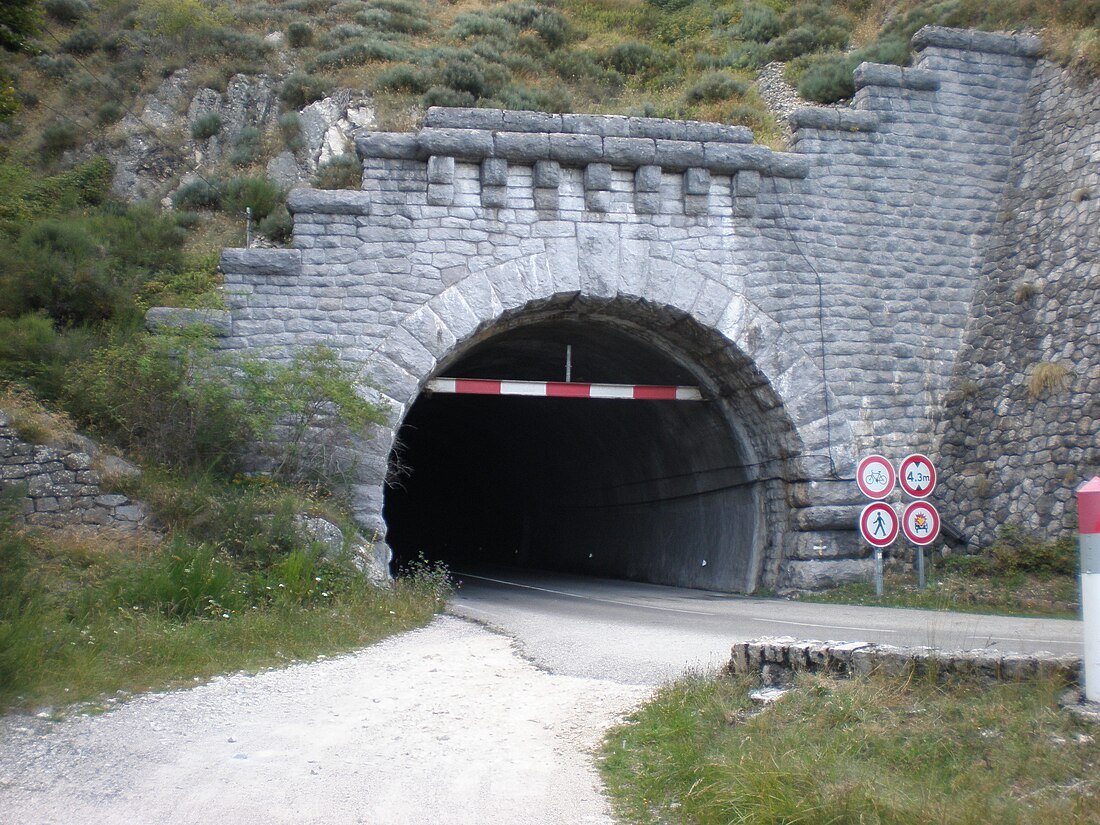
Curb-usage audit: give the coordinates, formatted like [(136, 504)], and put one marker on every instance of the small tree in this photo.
[(308, 414)]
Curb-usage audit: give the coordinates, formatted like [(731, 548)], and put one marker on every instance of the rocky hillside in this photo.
[(193, 93)]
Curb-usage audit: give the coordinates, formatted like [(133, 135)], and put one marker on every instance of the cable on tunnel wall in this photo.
[(820, 326)]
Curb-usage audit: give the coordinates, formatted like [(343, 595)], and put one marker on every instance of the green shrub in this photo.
[(517, 96), (384, 20), (278, 226), (714, 87), (247, 146), (259, 194), (403, 78), (465, 77), (632, 58), (294, 399), (445, 96), (747, 56), (198, 194), (206, 125), (66, 11), (299, 90), (110, 112), (480, 24), (54, 67), (33, 352), (827, 79), (356, 54), (1017, 551), (58, 137), (340, 172), (548, 24), (249, 52), (162, 397), (82, 269), (797, 41), (299, 35), (758, 24), (84, 41), (290, 127), (745, 114)]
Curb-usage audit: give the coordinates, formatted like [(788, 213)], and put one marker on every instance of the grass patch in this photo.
[(857, 751), (84, 616), (1018, 575), (1017, 594)]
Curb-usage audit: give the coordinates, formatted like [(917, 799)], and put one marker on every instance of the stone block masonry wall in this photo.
[(62, 486), (840, 274), (777, 660), (1013, 451)]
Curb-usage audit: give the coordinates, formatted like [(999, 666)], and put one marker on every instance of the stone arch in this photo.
[(782, 418)]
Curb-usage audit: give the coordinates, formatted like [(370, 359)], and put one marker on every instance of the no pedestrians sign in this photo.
[(878, 523)]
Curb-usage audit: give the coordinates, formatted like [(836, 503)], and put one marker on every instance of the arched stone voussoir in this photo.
[(429, 330), (477, 292), (792, 374), (454, 312), (394, 382)]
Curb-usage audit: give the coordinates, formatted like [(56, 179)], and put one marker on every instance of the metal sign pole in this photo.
[(879, 588), (1088, 520)]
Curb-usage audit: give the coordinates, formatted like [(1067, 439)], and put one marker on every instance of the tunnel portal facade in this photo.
[(817, 297)]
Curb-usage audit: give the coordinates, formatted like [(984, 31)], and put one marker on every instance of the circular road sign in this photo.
[(878, 523), (917, 476), (875, 477), (920, 522)]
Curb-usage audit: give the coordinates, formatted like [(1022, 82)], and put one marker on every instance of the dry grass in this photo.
[(1047, 378), (32, 421)]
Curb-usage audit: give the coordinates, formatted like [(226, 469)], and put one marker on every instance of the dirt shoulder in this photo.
[(445, 725)]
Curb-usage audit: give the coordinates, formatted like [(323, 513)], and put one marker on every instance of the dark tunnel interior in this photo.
[(643, 490)]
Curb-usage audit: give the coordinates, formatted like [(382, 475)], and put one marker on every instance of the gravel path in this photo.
[(441, 725)]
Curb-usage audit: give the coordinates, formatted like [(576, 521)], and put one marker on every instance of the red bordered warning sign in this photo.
[(878, 524), (917, 476), (920, 522), (875, 477)]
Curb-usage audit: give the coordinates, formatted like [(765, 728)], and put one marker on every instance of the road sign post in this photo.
[(878, 524), (1088, 520)]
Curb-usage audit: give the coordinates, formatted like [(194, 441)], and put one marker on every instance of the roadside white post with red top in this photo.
[(1088, 520)]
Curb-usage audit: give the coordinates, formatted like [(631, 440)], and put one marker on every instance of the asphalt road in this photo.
[(646, 634)]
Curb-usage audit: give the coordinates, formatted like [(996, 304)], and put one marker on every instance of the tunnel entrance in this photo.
[(666, 492)]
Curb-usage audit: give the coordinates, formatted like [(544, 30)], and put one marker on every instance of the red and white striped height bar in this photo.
[(1088, 520), (563, 389)]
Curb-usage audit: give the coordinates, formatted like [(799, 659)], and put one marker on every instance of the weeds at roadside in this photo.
[(874, 750)]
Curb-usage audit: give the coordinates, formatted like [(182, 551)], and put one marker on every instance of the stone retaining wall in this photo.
[(776, 660), (62, 485)]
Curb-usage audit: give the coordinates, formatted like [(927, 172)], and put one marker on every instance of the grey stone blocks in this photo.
[(494, 172), (597, 177), (775, 660), (547, 174), (465, 144), (878, 74), (329, 201), (1018, 45), (274, 263), (697, 182), (441, 169)]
